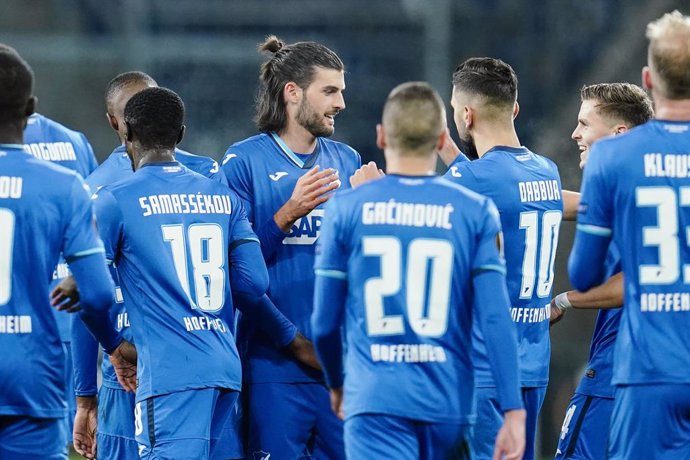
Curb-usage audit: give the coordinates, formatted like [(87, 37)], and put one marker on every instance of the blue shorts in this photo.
[(292, 421), (115, 435), (184, 425), (490, 420), (377, 436), (25, 438), (68, 422), (651, 421), (585, 431)]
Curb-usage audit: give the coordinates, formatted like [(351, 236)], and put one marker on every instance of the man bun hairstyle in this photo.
[(155, 117), (297, 63)]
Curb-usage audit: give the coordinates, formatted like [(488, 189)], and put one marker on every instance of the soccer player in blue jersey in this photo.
[(405, 265), (526, 189), (45, 211), (607, 109), (49, 140), (180, 241), (284, 175), (115, 429), (636, 189)]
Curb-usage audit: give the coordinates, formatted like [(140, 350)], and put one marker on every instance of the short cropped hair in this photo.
[(490, 78), (298, 63), (155, 116), (622, 102), (124, 79), (669, 54), (413, 118), (16, 85)]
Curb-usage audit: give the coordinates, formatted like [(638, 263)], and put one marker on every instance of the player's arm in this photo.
[(571, 201), (492, 306), (450, 152), (608, 295), (330, 293), (594, 221)]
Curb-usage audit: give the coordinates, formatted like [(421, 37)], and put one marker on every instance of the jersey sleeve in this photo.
[(109, 223), (595, 212), (214, 172), (239, 180), (489, 253), (461, 173), (331, 254), (80, 237)]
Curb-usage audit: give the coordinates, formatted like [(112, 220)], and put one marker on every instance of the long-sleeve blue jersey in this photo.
[(526, 189), (263, 172)]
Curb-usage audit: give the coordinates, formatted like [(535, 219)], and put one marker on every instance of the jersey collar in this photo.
[(294, 158)]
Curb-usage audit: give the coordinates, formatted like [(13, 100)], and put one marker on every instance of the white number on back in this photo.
[(550, 226), (6, 249)]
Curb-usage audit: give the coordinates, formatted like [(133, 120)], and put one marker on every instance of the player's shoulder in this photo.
[(53, 176), (203, 165), (633, 137), (338, 146), (456, 191), (42, 123), (251, 146)]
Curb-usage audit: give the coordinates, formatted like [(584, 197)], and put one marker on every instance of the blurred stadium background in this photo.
[(206, 51)]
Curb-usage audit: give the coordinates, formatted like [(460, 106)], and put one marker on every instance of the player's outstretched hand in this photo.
[(65, 296), (510, 441), (303, 350), (124, 361), (366, 173), (85, 422), (311, 190), (337, 402), (556, 313), (450, 151)]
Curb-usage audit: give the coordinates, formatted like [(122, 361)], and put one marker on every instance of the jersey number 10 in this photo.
[(6, 250), (550, 225)]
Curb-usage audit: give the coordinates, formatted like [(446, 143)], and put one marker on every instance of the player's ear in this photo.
[(443, 138), (112, 121), (619, 129), (128, 132), (181, 134), (291, 92), (30, 106), (516, 110), (468, 116), (646, 78), (380, 137)]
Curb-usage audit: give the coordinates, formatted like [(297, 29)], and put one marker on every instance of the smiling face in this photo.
[(591, 126), (321, 101)]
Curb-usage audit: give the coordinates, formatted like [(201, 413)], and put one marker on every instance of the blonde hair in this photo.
[(669, 54)]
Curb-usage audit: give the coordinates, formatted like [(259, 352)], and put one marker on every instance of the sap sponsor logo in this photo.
[(306, 229)]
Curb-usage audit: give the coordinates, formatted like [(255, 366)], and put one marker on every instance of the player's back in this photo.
[(413, 246), (526, 189), (647, 172), (168, 230), (38, 206), (49, 140)]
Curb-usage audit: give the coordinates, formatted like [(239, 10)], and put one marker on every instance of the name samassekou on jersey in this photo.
[(185, 203)]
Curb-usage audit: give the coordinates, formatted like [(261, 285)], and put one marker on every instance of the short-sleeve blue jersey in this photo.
[(264, 173), (169, 232), (409, 263), (526, 189), (115, 168), (45, 210), (47, 139), (599, 372), (637, 188)]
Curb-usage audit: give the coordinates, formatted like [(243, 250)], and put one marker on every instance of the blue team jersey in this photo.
[(168, 230), (115, 168), (44, 211), (49, 140), (264, 173), (526, 189), (409, 264), (599, 372), (637, 186)]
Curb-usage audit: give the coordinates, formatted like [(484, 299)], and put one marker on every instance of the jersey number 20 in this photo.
[(433, 322)]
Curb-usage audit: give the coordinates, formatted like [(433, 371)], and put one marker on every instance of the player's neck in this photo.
[(410, 166), (492, 135), (673, 110), (297, 138), (10, 134), (147, 157)]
